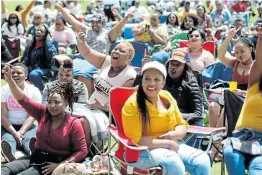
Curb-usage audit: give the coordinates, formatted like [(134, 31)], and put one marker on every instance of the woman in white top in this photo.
[(17, 126), (12, 29), (114, 71)]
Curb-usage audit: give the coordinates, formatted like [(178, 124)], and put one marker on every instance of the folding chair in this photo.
[(131, 150), (233, 106), (139, 52), (208, 45)]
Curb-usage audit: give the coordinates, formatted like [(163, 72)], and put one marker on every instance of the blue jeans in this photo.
[(235, 162), (189, 159), (25, 141), (35, 76)]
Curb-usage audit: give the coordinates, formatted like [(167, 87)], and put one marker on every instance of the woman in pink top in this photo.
[(59, 138), (199, 58), (63, 34)]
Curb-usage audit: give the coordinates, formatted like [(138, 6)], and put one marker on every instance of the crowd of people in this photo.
[(61, 84)]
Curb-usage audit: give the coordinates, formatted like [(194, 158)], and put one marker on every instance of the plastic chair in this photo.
[(208, 45), (164, 17), (128, 31), (131, 150), (139, 52)]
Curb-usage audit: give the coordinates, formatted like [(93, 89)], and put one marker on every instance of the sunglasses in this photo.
[(13, 17), (153, 19), (192, 36)]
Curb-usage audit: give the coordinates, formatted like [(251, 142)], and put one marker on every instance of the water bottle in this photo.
[(105, 162)]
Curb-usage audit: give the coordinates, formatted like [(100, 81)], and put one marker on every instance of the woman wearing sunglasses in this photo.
[(199, 58), (153, 32)]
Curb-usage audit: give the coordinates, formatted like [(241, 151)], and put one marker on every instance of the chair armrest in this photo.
[(204, 130), (124, 140)]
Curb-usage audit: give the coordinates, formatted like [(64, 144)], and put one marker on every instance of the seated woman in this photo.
[(62, 34), (50, 148), (18, 126), (38, 57), (238, 152), (172, 25), (114, 71), (205, 20), (65, 75), (13, 28), (241, 63), (98, 38), (159, 124), (183, 86), (151, 33), (199, 57), (38, 19), (12, 32), (190, 21)]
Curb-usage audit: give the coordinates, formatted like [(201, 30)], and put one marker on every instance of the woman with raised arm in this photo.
[(241, 64), (243, 150), (50, 148), (159, 125), (115, 70)]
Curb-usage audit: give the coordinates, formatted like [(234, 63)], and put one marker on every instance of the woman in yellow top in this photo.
[(151, 118), (244, 149)]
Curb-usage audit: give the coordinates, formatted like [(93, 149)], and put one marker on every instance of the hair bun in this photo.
[(68, 63)]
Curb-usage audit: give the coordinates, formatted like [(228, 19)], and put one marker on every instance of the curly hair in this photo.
[(194, 17), (67, 64), (67, 92)]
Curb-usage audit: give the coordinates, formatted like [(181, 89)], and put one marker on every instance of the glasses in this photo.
[(192, 36), (13, 17), (153, 19)]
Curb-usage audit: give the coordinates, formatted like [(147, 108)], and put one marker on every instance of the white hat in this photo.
[(155, 65)]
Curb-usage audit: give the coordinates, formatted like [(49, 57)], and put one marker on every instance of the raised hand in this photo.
[(146, 59), (81, 36), (131, 14), (232, 32), (7, 73)]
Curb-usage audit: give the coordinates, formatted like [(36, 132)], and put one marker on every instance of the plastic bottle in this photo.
[(105, 162)]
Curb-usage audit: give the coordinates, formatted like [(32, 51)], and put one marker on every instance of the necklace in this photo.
[(246, 67)]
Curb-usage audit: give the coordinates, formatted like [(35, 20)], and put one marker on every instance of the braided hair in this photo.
[(66, 91), (244, 40)]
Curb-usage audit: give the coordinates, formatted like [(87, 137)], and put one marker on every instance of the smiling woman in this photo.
[(17, 125), (159, 124), (54, 122), (114, 71)]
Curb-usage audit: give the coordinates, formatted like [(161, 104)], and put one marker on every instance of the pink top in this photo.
[(201, 60), (66, 36), (65, 141)]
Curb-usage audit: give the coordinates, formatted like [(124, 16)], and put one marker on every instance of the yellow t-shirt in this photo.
[(182, 14), (160, 122), (251, 113), (160, 30)]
